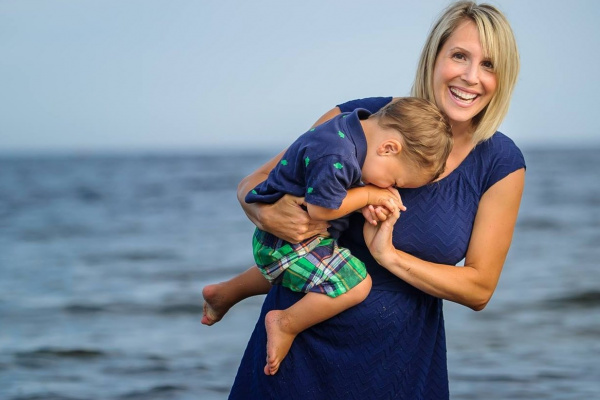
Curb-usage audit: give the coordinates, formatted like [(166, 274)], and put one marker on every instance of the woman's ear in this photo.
[(389, 147)]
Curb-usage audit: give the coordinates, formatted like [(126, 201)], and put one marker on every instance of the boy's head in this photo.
[(417, 139)]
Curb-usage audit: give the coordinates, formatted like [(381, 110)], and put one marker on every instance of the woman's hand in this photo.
[(378, 237), (287, 220)]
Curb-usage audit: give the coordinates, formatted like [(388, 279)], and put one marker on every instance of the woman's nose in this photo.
[(471, 75)]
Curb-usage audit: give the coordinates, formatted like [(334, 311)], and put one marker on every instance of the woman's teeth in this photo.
[(463, 96)]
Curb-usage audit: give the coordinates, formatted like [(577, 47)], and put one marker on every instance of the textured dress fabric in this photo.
[(392, 345)]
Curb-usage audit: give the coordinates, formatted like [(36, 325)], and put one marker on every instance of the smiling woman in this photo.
[(392, 345)]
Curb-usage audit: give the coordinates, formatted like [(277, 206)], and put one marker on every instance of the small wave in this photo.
[(87, 194), (46, 396), (115, 308), (84, 309), (504, 378), (539, 224), (186, 308), (157, 391), (138, 370), (587, 299), (44, 358), (49, 233), (132, 256), (132, 308), (51, 352)]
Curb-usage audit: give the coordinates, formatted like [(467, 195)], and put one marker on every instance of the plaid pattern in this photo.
[(315, 265)]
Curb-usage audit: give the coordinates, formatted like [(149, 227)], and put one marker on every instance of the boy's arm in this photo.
[(355, 199)]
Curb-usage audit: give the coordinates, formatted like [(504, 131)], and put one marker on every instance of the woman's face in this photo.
[(464, 81)]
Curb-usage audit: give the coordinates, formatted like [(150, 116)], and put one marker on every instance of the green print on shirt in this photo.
[(341, 134), (306, 161), (283, 162), (338, 165), (309, 190)]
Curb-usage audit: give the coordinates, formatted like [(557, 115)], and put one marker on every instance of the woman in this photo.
[(393, 344)]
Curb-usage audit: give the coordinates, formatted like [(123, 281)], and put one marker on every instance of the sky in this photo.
[(210, 75)]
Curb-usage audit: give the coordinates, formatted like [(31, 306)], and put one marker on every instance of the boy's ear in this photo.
[(390, 147)]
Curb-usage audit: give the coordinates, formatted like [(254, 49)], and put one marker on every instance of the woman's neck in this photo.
[(463, 144), (462, 129)]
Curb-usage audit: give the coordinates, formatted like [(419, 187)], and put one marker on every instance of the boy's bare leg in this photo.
[(220, 297), (283, 325)]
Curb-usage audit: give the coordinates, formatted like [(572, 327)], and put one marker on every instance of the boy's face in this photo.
[(385, 170)]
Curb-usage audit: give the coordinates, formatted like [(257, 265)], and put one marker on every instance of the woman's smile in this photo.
[(462, 96)]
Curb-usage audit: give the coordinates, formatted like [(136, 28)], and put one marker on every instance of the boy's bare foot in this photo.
[(279, 339), (215, 306)]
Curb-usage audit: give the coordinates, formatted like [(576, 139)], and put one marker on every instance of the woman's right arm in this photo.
[(286, 218)]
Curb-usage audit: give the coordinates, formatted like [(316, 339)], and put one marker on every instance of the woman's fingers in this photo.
[(292, 223)]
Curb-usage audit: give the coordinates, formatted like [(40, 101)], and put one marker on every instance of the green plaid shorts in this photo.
[(315, 265)]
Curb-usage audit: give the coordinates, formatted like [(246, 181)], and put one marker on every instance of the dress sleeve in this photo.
[(504, 158), (373, 104)]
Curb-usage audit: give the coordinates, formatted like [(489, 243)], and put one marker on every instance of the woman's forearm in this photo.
[(462, 285), (253, 210)]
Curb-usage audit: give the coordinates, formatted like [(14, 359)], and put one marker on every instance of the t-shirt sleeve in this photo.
[(328, 180), (373, 104), (504, 157)]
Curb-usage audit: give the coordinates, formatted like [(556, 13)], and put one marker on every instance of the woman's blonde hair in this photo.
[(499, 45), (425, 132)]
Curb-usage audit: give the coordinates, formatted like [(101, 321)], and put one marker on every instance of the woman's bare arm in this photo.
[(473, 284), (286, 218)]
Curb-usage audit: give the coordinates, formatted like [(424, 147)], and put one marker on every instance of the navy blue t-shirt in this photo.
[(321, 165)]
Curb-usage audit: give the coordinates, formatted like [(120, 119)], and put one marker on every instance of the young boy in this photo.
[(350, 162)]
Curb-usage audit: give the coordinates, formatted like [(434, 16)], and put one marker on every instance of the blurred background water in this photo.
[(103, 258)]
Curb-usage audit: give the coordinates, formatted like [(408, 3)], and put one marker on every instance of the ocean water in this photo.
[(103, 258)]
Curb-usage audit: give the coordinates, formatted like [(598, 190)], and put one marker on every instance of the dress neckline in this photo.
[(459, 166)]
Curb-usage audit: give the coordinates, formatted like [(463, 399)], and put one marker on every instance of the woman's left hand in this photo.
[(379, 237)]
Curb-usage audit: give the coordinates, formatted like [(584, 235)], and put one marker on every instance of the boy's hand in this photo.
[(382, 204), (375, 214), (389, 198)]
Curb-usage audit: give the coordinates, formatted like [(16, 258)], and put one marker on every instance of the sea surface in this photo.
[(103, 258)]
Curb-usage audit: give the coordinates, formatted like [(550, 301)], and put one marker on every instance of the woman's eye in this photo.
[(459, 56), (488, 64)]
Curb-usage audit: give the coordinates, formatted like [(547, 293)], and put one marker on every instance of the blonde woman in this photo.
[(392, 345)]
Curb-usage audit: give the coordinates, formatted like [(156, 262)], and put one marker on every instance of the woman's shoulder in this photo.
[(372, 104), (497, 157), (500, 147)]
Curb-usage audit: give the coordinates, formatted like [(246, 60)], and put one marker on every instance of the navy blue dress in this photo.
[(392, 345)]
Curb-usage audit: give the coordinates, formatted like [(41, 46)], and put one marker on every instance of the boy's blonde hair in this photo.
[(499, 45), (426, 132)]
